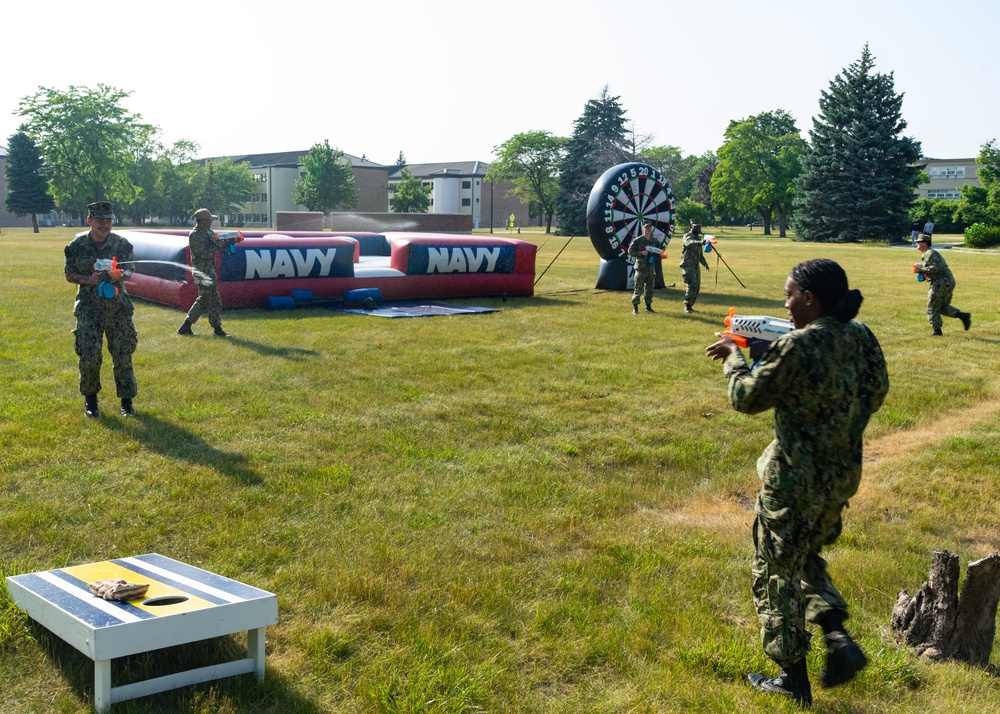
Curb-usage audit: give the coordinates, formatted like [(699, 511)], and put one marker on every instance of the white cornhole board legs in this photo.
[(183, 604)]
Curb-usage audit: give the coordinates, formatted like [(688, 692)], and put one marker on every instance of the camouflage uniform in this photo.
[(645, 269), (824, 382), (942, 287), (203, 250), (97, 317), (691, 255)]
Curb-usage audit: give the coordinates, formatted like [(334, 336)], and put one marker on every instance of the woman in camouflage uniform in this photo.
[(824, 380)]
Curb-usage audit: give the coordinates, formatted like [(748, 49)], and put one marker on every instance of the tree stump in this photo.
[(939, 623)]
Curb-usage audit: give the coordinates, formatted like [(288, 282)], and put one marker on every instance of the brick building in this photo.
[(461, 187), (276, 174)]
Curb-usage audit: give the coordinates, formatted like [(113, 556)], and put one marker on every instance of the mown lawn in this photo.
[(543, 509)]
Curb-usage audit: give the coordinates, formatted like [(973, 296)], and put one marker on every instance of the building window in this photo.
[(946, 195), (466, 202), (946, 172), (467, 184)]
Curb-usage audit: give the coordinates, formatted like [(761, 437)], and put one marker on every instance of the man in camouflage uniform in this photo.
[(103, 308), (204, 245), (936, 270), (691, 255), (824, 380), (644, 277)]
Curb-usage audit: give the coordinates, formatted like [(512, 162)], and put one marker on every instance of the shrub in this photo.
[(979, 235)]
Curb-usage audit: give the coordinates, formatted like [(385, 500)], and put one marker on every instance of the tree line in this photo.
[(81, 145), (854, 179)]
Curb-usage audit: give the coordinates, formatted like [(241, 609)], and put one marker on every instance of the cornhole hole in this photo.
[(183, 604)]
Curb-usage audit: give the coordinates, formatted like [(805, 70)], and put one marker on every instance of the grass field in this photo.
[(543, 509)]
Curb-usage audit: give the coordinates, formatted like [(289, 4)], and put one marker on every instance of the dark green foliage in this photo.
[(411, 195), (599, 141), (979, 236), (327, 182), (758, 162), (981, 204), (27, 185), (945, 214), (858, 173)]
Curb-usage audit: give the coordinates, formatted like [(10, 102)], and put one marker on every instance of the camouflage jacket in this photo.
[(82, 253), (935, 268), (824, 382), (639, 244), (203, 250), (692, 253)]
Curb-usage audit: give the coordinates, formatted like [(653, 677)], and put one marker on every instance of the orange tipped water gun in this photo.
[(709, 241), (755, 332), (110, 273), (231, 238), (918, 268)]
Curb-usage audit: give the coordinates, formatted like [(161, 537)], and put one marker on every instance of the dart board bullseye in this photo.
[(622, 198)]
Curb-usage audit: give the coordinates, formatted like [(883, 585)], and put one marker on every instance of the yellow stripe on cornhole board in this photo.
[(102, 571)]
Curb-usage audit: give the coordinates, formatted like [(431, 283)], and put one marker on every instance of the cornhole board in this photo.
[(183, 604)]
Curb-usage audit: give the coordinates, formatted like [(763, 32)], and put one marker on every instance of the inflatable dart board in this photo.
[(622, 198)]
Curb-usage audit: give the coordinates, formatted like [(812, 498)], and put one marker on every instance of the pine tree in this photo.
[(858, 173), (27, 186), (600, 140)]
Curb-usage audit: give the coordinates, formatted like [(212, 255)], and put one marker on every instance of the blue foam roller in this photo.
[(302, 295), (279, 302), (359, 295)]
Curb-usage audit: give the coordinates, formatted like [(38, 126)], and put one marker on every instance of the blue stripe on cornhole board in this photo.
[(67, 602), (219, 582), (132, 609)]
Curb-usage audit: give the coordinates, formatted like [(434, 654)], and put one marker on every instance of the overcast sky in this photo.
[(446, 80)]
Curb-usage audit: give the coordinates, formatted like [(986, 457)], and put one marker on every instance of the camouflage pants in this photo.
[(645, 281), (791, 584), (117, 326), (692, 279), (939, 301), (208, 302)]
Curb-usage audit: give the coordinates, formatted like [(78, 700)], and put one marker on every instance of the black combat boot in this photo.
[(792, 682), (966, 319), (90, 406), (185, 329), (936, 333), (127, 410), (649, 308), (219, 332), (635, 309), (844, 658)]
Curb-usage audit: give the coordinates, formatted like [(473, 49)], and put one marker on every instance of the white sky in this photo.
[(447, 80)]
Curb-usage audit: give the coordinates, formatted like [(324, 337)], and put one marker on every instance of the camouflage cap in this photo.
[(100, 209), (924, 238), (203, 213)]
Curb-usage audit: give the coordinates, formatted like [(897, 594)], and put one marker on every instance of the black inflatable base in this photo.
[(617, 275)]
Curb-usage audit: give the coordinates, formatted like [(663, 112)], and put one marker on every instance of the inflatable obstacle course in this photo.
[(394, 266)]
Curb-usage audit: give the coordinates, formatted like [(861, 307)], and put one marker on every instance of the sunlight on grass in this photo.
[(543, 509)]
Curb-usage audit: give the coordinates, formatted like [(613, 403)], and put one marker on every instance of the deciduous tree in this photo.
[(531, 162), (328, 181), (27, 185), (758, 163), (88, 140), (411, 195), (223, 187), (859, 172)]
